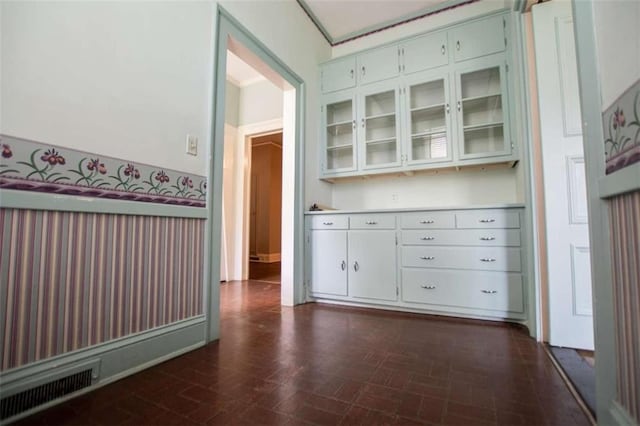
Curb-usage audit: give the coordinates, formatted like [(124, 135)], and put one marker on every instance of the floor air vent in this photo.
[(38, 394)]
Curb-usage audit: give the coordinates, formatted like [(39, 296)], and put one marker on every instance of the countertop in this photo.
[(420, 209)]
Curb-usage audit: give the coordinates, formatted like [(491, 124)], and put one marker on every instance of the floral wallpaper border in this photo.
[(32, 166), (621, 123)]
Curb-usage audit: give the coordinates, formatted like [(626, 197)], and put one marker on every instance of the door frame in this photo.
[(607, 410), (227, 28)]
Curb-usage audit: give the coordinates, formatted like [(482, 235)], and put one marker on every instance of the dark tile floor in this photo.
[(319, 364)]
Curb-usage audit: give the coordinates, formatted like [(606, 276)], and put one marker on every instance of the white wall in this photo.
[(427, 190), (618, 43), (259, 102), (132, 79), (126, 79)]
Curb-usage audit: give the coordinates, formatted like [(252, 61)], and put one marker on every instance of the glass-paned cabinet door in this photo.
[(427, 120), (482, 113), (379, 128), (340, 135)]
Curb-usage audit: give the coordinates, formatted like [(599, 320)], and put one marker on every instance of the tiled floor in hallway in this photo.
[(319, 364)]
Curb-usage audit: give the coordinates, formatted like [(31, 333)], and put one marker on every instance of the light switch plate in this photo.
[(192, 145)]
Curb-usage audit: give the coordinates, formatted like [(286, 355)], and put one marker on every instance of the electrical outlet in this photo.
[(394, 197), (192, 145)]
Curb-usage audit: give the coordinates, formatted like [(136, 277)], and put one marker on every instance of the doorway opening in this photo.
[(265, 209), (227, 229)]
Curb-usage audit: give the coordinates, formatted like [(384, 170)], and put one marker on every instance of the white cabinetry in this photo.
[(353, 258), (465, 262), (471, 260), (437, 100)]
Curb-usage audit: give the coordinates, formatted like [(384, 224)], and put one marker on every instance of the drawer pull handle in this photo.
[(343, 265), (356, 267), (428, 238), (487, 238), (327, 223), (487, 220), (428, 287), (427, 257), (487, 259), (489, 291), (371, 222), (427, 222)]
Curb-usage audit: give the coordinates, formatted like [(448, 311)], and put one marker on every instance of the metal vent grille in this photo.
[(30, 398)]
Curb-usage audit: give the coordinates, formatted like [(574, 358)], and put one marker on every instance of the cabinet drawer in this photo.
[(488, 219), (478, 38), (372, 221), (428, 220), (462, 237), (330, 222), (479, 258), (494, 291)]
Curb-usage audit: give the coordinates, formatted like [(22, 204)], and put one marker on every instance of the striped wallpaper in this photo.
[(625, 232), (71, 280)]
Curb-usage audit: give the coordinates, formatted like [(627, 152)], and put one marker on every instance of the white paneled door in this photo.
[(565, 195)]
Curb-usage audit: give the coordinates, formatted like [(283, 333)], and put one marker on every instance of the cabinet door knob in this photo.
[(442, 49), (487, 220), (489, 291), (327, 223), (448, 108), (428, 238), (343, 265), (354, 124), (459, 106), (487, 259), (362, 121), (356, 267), (487, 238), (458, 45), (371, 222), (351, 72), (427, 257), (428, 287), (427, 222), (363, 71)]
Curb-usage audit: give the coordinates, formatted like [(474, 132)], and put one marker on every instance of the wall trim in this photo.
[(20, 373), (16, 199)]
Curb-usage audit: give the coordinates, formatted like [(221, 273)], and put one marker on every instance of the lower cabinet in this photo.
[(466, 262), (372, 260), (358, 263)]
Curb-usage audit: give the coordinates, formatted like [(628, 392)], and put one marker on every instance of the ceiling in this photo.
[(240, 73), (343, 20)]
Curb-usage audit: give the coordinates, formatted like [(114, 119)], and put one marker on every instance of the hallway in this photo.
[(320, 364)]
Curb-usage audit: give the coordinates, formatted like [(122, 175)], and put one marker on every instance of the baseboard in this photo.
[(117, 359)]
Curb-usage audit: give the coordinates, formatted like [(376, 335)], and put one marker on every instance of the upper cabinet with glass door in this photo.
[(427, 119), (483, 129), (339, 125), (380, 137), (439, 99)]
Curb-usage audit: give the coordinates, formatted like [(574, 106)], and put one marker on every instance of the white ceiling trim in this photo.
[(438, 6)]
